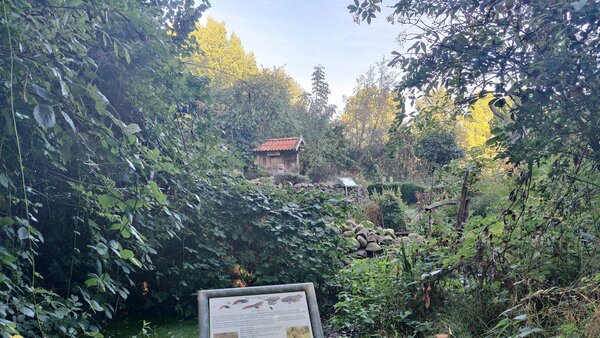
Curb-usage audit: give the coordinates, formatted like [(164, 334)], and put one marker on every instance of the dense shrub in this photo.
[(373, 212), (380, 295), (273, 237), (254, 172), (380, 187), (392, 208), (322, 173), (102, 160), (289, 178), (408, 189)]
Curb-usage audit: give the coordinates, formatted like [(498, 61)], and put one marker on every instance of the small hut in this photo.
[(279, 155)]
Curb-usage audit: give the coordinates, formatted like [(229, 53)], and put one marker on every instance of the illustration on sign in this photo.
[(276, 315)]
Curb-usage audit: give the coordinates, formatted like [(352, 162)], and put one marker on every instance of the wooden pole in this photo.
[(463, 208)]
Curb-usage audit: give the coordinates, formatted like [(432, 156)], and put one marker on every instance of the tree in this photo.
[(438, 148), (260, 107), (222, 59), (247, 103), (436, 110), (474, 128), (324, 145), (319, 102), (369, 112), (538, 61), (435, 113), (96, 115)]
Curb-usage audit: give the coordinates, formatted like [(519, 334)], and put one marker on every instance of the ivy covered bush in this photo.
[(380, 187), (114, 192), (274, 238)]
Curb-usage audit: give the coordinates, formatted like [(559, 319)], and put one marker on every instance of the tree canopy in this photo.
[(222, 57), (538, 61)]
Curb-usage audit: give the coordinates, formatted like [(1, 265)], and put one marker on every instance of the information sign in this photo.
[(347, 182), (278, 311)]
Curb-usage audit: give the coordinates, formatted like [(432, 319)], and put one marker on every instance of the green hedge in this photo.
[(380, 187), (392, 210), (408, 189)]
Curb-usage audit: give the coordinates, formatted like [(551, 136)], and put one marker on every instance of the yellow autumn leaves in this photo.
[(223, 60), (368, 115), (474, 129)]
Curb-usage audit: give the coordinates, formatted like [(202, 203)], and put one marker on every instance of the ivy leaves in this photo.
[(83, 111)]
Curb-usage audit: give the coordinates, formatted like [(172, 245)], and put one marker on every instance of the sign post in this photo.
[(348, 182), (276, 311)]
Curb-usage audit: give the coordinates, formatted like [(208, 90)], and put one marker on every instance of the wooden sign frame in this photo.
[(308, 288)]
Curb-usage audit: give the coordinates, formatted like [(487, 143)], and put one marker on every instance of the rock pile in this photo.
[(367, 241)]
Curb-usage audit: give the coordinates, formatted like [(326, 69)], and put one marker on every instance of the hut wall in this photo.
[(271, 161)]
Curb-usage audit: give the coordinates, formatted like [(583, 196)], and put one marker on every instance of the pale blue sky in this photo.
[(299, 34)]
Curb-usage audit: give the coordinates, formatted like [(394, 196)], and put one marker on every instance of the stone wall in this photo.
[(357, 194)]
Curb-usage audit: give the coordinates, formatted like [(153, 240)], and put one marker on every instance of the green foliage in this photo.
[(319, 101), (255, 172), (221, 58), (367, 117), (407, 189), (258, 107), (392, 208), (380, 187), (438, 148), (146, 332), (469, 309), (114, 187), (514, 265), (380, 295), (276, 236), (372, 212), (160, 326), (486, 203), (468, 43), (91, 134), (325, 143)]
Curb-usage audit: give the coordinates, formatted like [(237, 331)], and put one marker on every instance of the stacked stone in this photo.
[(332, 188), (367, 241)]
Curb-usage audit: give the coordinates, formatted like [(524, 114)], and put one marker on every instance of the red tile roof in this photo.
[(280, 144)]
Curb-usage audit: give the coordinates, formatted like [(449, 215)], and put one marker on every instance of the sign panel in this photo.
[(277, 311), (276, 315), (347, 182)]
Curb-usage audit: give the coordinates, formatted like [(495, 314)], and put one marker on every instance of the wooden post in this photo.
[(431, 199), (463, 211)]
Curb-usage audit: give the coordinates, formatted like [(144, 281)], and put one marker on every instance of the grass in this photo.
[(157, 327)]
